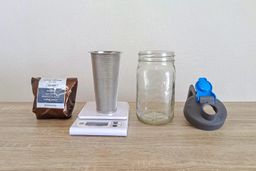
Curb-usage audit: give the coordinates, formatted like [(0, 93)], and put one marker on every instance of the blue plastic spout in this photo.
[(204, 90)]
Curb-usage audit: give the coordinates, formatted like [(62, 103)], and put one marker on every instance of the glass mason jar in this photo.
[(155, 87)]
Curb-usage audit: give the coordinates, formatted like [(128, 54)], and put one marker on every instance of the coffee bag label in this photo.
[(51, 93)]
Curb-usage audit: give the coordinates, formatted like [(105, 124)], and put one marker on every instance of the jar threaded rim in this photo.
[(156, 56)]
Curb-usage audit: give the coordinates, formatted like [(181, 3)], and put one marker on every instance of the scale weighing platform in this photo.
[(91, 122)]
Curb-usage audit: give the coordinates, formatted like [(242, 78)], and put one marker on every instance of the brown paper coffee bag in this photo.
[(54, 98)]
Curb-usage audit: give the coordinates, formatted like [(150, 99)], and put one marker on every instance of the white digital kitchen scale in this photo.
[(91, 122)]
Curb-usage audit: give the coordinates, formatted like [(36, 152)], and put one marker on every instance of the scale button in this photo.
[(115, 122), (81, 123)]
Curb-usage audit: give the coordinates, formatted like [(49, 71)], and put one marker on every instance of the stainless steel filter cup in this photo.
[(105, 66)]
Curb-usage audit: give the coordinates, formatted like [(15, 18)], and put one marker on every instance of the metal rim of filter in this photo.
[(102, 52)]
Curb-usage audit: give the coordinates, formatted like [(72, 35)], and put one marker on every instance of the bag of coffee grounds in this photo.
[(54, 98)]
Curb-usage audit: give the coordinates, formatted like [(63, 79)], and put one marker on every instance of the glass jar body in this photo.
[(155, 87)]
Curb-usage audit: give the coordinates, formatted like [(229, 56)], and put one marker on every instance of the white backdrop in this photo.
[(51, 38)]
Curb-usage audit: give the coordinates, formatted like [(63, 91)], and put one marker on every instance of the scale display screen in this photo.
[(96, 124)]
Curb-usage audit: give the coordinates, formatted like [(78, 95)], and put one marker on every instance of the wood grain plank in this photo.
[(30, 144)]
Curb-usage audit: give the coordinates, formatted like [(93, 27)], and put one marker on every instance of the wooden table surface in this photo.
[(30, 144)]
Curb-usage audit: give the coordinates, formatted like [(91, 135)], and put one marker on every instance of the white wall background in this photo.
[(51, 38)]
